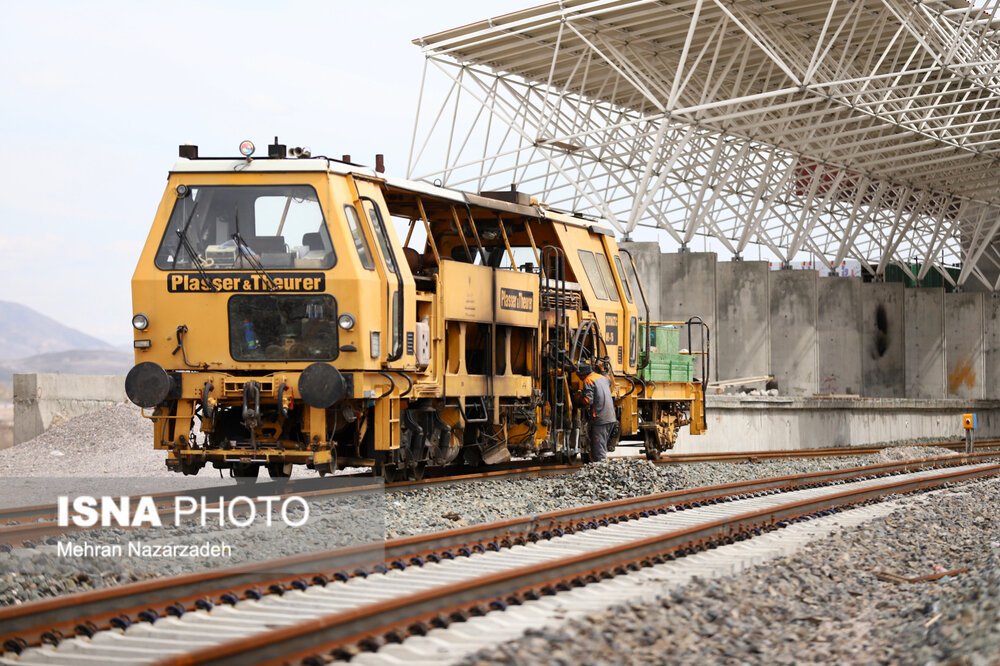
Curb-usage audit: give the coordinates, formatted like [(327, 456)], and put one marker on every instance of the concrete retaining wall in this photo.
[(923, 311), (963, 334), (830, 335), (741, 334), (883, 340), (43, 400), (991, 346), (792, 298), (687, 289), (839, 335), (768, 424)]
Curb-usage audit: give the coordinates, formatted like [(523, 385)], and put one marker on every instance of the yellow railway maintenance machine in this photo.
[(276, 304)]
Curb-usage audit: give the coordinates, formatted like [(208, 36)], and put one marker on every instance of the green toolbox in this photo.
[(666, 363)]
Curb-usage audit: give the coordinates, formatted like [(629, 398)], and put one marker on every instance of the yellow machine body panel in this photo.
[(183, 298), (313, 312)]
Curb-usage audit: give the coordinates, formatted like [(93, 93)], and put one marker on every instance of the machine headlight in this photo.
[(346, 321), (140, 322)]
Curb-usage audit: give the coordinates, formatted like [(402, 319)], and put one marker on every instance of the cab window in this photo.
[(605, 271), (246, 227), (621, 276), (633, 280), (360, 242), (592, 274), (382, 236), (285, 327)]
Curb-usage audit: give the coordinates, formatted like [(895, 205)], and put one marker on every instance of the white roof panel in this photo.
[(213, 165)]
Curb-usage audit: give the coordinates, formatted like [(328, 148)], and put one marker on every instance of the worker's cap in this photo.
[(584, 369)]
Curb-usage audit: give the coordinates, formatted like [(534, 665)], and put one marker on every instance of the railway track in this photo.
[(332, 603), (985, 445), (33, 525)]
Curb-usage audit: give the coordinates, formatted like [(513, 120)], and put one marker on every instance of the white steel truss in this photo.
[(842, 129)]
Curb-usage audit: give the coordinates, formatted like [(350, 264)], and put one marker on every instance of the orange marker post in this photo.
[(969, 424)]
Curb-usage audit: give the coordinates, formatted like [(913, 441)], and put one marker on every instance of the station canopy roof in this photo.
[(819, 129), (892, 89)]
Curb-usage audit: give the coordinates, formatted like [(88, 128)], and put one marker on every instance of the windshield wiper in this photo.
[(202, 273), (244, 251), (182, 234), (186, 243)]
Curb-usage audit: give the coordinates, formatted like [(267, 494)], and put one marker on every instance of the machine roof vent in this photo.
[(510, 196)]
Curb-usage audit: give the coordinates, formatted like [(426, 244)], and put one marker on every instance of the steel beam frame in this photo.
[(867, 129)]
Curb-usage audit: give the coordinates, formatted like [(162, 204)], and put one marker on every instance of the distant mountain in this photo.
[(72, 362), (24, 333)]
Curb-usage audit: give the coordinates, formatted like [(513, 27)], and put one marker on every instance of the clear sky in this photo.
[(96, 96)]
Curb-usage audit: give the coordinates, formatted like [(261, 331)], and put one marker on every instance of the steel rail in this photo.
[(43, 518), (52, 619), (323, 635), (829, 452), (162, 498), (39, 521)]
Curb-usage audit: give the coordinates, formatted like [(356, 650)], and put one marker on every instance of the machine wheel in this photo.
[(652, 445), (389, 472), (418, 470), (245, 473), (567, 458), (329, 468), (191, 468), (279, 470)]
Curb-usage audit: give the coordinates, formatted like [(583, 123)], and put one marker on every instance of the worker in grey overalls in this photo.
[(599, 407)]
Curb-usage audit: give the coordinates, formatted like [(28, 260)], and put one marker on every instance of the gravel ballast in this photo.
[(113, 441), (825, 604), (37, 573), (443, 507)]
